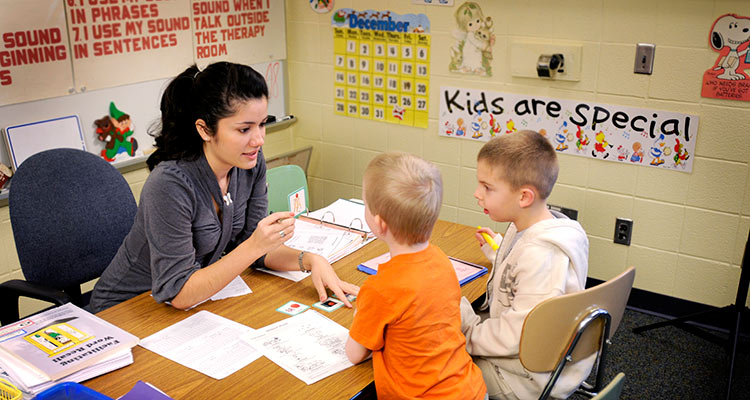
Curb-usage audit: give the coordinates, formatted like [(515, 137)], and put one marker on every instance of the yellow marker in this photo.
[(489, 240)]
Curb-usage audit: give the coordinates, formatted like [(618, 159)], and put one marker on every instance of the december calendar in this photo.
[(381, 66)]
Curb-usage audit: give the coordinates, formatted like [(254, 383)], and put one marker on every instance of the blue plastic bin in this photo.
[(71, 391)]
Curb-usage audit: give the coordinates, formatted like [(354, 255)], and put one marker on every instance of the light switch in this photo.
[(644, 58)]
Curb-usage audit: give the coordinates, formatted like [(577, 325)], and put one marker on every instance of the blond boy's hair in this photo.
[(524, 158), (406, 192)]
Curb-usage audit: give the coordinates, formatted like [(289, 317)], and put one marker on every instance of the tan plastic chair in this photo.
[(571, 327), (613, 390)]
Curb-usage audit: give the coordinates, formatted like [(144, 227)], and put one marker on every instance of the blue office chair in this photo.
[(283, 181), (70, 211)]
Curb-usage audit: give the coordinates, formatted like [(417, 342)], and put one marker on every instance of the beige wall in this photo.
[(689, 229)]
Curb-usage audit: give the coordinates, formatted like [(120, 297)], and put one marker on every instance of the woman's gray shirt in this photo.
[(177, 230)]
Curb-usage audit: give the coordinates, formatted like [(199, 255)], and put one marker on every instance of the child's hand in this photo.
[(479, 236)]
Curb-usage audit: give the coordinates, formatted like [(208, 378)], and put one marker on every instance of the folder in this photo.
[(465, 271)]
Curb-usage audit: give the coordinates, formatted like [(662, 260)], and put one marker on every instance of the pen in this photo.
[(489, 240)]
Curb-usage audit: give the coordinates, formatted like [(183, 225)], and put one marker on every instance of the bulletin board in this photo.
[(381, 66)]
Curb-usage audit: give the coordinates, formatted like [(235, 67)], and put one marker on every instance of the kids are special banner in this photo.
[(629, 135)]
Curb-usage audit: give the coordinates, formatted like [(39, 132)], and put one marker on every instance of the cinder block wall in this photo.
[(689, 229)]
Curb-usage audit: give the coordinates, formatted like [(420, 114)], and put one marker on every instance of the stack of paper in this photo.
[(64, 344)]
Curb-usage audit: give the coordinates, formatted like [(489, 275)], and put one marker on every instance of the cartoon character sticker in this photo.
[(561, 136), (472, 53), (730, 37), (601, 146), (461, 130), (115, 131), (657, 150), (637, 156), (680, 154), (582, 140), (321, 6)]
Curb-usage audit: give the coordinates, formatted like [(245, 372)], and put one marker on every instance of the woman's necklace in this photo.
[(227, 196)]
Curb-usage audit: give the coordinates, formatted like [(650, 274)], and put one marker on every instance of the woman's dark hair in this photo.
[(210, 95)]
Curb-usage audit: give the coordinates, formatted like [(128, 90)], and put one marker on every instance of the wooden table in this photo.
[(261, 379)]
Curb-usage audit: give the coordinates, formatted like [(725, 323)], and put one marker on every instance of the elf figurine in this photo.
[(116, 134)]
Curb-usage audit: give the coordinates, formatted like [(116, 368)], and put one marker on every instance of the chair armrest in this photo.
[(11, 290)]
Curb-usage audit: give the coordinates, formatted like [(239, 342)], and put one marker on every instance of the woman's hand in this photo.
[(323, 276), (272, 231)]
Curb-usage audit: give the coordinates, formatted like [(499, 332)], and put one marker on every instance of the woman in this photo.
[(202, 214)]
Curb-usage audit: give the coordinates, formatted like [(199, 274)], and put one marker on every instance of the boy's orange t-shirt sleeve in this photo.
[(374, 313)]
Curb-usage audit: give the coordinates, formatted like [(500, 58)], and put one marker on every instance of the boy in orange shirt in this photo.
[(409, 316)]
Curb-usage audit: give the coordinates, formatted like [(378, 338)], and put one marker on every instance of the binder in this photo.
[(321, 232), (465, 271), (329, 240), (343, 213)]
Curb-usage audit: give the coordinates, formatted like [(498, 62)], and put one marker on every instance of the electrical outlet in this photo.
[(644, 58), (623, 231)]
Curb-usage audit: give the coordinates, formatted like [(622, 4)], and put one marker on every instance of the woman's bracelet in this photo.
[(299, 261)]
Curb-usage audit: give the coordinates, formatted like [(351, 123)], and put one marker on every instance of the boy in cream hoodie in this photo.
[(543, 254)]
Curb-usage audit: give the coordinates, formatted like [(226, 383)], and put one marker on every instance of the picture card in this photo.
[(292, 308), (329, 304)]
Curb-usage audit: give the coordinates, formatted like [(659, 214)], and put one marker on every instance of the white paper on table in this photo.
[(237, 287), (205, 342), (308, 345), (295, 276)]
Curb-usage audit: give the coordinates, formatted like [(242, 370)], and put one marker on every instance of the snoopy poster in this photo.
[(472, 53), (727, 79)]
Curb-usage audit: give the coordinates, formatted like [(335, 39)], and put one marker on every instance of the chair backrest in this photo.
[(70, 211), (613, 390), (548, 328), (283, 181)]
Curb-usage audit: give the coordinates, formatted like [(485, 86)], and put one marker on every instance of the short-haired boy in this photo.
[(542, 255), (408, 314)]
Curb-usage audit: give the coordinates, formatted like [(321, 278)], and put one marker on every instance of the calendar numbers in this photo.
[(382, 75)]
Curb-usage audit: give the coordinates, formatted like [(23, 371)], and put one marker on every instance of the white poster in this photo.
[(34, 56), (116, 43), (629, 135), (241, 31)]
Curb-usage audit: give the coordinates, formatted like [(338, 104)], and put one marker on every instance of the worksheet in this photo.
[(308, 345), (205, 342)]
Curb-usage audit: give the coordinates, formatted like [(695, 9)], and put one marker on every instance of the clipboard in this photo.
[(465, 271)]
